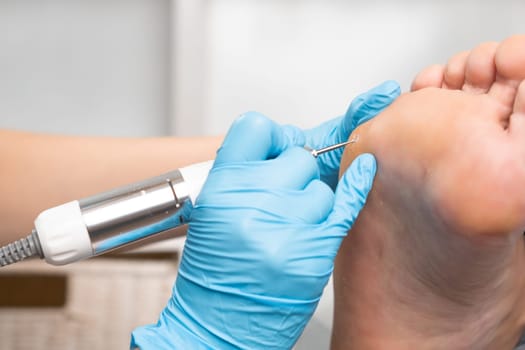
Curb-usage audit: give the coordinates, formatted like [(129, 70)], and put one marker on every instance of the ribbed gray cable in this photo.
[(20, 250)]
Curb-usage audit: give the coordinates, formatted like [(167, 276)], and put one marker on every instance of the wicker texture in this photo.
[(106, 299)]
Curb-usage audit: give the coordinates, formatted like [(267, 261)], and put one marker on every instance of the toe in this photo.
[(480, 71), (519, 103), (510, 70), (455, 71), (429, 77), (510, 58), (517, 119)]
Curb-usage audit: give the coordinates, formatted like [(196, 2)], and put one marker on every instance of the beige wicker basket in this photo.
[(104, 300)]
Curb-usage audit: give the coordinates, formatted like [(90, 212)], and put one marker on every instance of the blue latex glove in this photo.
[(364, 107), (261, 243)]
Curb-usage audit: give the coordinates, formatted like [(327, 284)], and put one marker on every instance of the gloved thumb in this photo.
[(351, 193), (367, 105), (252, 137)]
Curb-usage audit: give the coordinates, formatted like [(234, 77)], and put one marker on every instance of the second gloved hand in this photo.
[(261, 244), (363, 108)]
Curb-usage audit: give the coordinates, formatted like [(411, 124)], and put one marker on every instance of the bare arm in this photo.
[(39, 170)]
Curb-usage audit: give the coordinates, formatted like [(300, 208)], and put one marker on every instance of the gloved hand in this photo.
[(364, 107), (260, 247)]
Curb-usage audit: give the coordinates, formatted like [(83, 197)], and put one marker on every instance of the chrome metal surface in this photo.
[(133, 212), (316, 152)]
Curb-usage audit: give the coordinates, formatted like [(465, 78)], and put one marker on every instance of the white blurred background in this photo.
[(189, 67)]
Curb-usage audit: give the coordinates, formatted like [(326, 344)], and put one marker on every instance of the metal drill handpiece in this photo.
[(317, 152)]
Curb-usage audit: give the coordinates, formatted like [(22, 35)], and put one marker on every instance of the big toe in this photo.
[(510, 68)]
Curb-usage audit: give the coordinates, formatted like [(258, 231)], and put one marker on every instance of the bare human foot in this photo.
[(436, 259)]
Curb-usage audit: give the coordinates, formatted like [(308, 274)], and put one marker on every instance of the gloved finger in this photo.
[(309, 206), (295, 135), (295, 168), (351, 194), (315, 202), (363, 108), (252, 137), (367, 105)]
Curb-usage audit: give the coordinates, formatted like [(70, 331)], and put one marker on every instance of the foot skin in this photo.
[(436, 259)]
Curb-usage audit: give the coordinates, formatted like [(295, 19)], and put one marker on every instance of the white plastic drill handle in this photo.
[(63, 235), (194, 177)]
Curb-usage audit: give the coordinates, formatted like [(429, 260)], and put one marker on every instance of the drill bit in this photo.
[(317, 152)]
